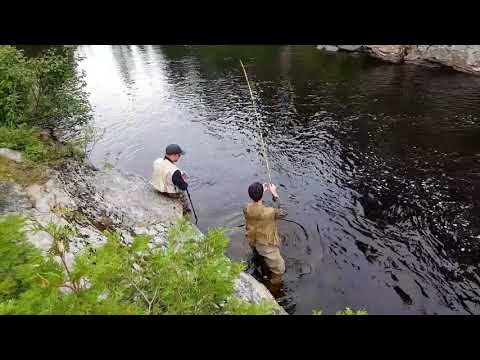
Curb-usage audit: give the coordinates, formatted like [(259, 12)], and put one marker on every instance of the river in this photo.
[(379, 162)]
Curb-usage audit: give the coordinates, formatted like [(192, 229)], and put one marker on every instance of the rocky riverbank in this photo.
[(94, 200), (465, 58)]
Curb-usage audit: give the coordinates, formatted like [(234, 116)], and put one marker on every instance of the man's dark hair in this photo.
[(255, 191)]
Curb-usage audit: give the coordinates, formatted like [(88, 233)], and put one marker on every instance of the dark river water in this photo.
[(379, 162)]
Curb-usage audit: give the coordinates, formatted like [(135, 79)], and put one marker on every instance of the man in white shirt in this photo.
[(167, 178)]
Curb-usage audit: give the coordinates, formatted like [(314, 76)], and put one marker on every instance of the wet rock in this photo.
[(393, 53), (327, 47), (464, 58), (350, 47), (11, 155), (248, 289)]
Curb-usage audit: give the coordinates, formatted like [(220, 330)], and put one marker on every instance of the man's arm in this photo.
[(178, 181), (280, 212)]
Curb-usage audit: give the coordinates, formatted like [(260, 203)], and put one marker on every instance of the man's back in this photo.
[(260, 224)]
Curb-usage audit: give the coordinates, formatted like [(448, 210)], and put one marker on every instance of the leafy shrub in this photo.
[(45, 91), (190, 276), (16, 84), (29, 282)]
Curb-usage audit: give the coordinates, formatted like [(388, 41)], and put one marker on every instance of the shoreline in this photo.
[(94, 200)]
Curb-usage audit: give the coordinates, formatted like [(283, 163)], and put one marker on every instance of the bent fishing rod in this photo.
[(264, 149)]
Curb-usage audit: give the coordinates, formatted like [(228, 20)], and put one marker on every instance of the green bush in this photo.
[(349, 311), (45, 91), (190, 276), (346, 311), (29, 282), (16, 86)]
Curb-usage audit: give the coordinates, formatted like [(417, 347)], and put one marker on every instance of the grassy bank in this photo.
[(38, 152)]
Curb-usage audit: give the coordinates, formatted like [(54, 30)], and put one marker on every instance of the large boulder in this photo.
[(248, 289)]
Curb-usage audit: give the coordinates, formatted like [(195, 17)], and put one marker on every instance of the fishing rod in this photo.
[(264, 150), (191, 203)]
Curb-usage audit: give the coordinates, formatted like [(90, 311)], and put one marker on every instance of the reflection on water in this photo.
[(379, 162)]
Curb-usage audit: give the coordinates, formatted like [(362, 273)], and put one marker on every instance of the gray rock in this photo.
[(11, 155), (465, 58), (327, 47), (12, 198), (248, 289), (350, 47), (392, 53)]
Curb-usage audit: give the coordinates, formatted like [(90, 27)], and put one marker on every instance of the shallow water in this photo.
[(379, 162)]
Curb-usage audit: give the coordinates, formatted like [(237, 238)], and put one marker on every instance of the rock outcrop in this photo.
[(465, 58)]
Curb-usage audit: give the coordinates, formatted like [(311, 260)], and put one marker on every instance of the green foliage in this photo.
[(16, 84), (347, 311), (237, 307), (45, 91), (29, 282), (191, 276)]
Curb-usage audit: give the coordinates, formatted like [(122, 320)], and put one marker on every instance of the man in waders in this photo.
[(261, 231), (167, 178)]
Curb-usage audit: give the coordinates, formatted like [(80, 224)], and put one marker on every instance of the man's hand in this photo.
[(273, 190), (184, 176)]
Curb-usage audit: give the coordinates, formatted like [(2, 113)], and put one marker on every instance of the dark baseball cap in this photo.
[(174, 149)]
